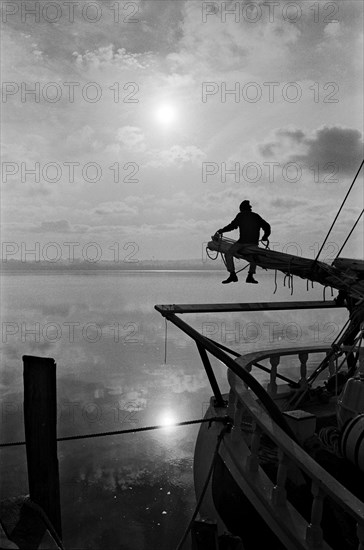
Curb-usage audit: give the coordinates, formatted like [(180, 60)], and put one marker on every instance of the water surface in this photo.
[(132, 491)]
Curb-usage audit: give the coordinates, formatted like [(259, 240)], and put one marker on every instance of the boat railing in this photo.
[(253, 359), (323, 485)]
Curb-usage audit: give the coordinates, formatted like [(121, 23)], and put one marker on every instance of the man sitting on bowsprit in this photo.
[(249, 224)]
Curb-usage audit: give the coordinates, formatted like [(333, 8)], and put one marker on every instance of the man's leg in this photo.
[(229, 259), (252, 267), (229, 256), (252, 270)]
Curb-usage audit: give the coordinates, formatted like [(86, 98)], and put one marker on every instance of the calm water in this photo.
[(135, 491)]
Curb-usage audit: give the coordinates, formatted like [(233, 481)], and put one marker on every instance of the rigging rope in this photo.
[(358, 339), (348, 237), (337, 215), (120, 432), (275, 281), (335, 349), (165, 340), (337, 369), (324, 293)]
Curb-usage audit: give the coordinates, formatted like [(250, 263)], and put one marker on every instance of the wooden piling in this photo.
[(40, 422)]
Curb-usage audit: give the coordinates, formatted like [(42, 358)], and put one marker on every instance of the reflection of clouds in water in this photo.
[(172, 377), (118, 390), (126, 477), (111, 479), (179, 382), (134, 400)]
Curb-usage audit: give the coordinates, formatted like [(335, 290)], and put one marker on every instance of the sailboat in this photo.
[(281, 465)]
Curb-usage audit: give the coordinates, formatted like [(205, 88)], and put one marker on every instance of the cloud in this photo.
[(176, 155), (185, 226), (82, 139), (57, 226), (107, 56), (132, 138), (333, 29), (118, 208), (286, 141), (287, 203), (329, 148), (236, 44)]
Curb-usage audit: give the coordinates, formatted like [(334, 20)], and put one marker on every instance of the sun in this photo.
[(166, 114)]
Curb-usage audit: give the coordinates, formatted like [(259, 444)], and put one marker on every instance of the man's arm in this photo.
[(266, 228), (230, 227)]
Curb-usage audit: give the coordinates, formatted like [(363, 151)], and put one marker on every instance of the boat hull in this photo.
[(224, 501), (231, 501)]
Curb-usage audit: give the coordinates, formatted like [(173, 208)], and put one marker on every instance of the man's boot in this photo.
[(231, 279), (250, 279)]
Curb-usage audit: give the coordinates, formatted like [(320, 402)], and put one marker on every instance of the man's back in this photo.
[(249, 224)]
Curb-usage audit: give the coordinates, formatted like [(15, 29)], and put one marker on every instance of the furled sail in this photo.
[(347, 276)]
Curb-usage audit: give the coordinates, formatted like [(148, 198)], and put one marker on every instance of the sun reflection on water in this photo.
[(167, 419)]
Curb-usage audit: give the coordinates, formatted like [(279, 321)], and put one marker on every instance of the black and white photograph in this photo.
[(182, 275)]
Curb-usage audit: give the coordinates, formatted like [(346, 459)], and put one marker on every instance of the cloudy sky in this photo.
[(150, 121)]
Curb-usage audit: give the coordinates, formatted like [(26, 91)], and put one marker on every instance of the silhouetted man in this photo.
[(249, 224)]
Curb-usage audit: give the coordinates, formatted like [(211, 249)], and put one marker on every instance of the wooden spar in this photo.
[(40, 421), (315, 271), (253, 306)]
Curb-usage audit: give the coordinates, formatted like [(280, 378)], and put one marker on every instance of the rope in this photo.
[(220, 437), (165, 340), (337, 215), (275, 281), (290, 285), (348, 285), (348, 237), (335, 349), (120, 432), (338, 368), (210, 257), (336, 371), (340, 333), (242, 269), (324, 293)]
